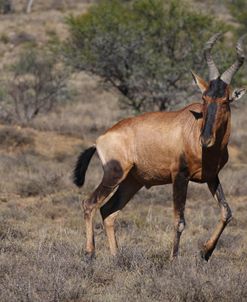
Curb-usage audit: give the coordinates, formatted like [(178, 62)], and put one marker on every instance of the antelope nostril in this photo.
[(207, 142)]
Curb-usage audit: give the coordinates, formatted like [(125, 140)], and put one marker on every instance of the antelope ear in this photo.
[(200, 82), (237, 93)]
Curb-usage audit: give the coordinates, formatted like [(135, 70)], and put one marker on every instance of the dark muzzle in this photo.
[(207, 137)]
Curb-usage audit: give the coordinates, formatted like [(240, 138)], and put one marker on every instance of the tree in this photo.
[(238, 9), (144, 48), (35, 85)]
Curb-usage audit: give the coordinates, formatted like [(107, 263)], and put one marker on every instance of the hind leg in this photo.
[(110, 210), (114, 174)]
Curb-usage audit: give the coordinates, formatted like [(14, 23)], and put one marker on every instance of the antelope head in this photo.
[(217, 94)]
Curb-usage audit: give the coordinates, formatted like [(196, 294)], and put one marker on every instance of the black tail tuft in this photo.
[(82, 165)]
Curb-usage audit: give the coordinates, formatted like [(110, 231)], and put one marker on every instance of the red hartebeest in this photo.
[(165, 147)]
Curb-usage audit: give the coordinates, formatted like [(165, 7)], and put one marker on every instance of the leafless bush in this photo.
[(83, 119), (37, 83)]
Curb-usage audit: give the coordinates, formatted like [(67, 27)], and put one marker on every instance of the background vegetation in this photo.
[(144, 48), (35, 84), (238, 9), (42, 232)]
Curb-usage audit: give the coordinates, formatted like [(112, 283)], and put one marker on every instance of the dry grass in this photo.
[(42, 234), (41, 254), (36, 163), (12, 138)]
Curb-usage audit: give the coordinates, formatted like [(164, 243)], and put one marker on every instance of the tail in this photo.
[(82, 165)]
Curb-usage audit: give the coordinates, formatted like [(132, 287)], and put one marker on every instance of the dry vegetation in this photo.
[(41, 226)]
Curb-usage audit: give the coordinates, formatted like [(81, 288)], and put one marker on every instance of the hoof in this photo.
[(205, 255), (173, 258), (89, 257)]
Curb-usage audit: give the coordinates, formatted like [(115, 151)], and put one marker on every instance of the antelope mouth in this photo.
[(207, 142)]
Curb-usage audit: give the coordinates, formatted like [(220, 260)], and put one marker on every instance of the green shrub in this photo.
[(238, 9), (143, 48)]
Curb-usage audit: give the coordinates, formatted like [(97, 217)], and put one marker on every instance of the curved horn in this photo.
[(213, 70), (229, 73)]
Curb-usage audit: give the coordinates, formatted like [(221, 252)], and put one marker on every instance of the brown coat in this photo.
[(155, 146)]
